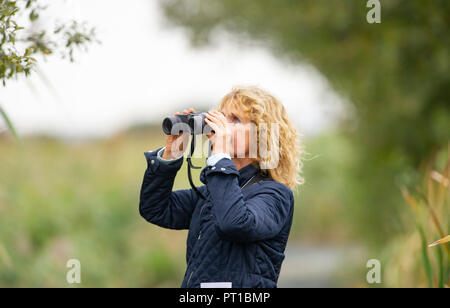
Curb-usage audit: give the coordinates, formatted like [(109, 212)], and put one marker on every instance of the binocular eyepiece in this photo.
[(194, 123)]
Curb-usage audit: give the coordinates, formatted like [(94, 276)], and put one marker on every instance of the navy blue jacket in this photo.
[(236, 236)]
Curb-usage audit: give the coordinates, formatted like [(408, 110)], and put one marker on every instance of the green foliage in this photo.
[(19, 45), (12, 62), (396, 74), (61, 200), (425, 258), (430, 205)]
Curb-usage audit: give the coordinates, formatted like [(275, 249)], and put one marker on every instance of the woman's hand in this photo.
[(176, 144), (222, 138)]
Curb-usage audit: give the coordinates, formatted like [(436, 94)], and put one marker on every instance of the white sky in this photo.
[(143, 71)]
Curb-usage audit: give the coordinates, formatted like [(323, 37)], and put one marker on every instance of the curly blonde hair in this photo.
[(263, 108)]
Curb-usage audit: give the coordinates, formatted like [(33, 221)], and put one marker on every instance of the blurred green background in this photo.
[(377, 184), (62, 200)]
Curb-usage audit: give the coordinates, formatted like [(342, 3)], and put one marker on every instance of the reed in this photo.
[(429, 202)]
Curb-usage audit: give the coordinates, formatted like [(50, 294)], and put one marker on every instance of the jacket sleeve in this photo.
[(158, 203), (258, 218)]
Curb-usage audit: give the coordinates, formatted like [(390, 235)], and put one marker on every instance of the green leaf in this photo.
[(425, 258), (441, 241), (441, 267), (9, 123), (34, 15)]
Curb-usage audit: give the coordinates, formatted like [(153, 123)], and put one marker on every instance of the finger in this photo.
[(214, 130), (213, 114), (210, 116), (219, 114), (213, 119), (208, 122), (213, 125), (220, 117)]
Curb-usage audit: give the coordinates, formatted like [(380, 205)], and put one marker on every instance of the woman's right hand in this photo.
[(176, 144)]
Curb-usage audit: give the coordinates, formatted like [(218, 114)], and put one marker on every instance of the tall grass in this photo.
[(429, 202), (8, 123)]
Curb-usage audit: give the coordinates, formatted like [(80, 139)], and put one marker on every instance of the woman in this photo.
[(238, 233)]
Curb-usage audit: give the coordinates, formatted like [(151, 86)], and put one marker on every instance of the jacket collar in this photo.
[(246, 173)]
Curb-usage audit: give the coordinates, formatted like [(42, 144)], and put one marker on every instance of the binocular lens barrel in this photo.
[(193, 123), (168, 123)]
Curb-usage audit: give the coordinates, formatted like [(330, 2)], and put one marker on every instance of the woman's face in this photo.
[(241, 130)]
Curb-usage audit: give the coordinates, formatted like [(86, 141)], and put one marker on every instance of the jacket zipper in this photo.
[(246, 183)]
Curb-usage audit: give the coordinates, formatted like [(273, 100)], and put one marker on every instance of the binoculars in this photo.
[(193, 122)]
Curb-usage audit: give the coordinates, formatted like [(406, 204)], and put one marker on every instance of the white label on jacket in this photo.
[(215, 285)]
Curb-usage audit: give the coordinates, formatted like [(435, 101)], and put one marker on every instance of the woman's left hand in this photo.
[(222, 138)]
